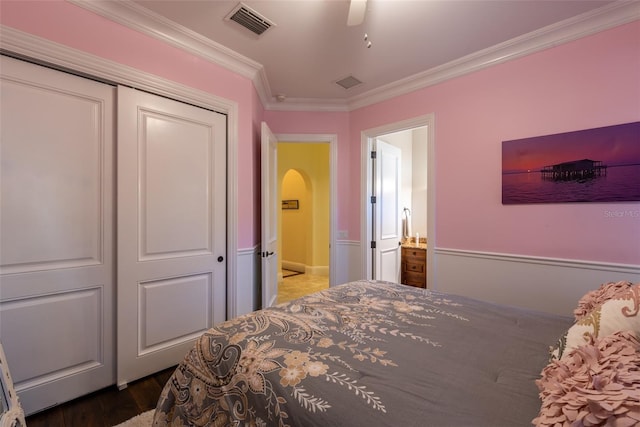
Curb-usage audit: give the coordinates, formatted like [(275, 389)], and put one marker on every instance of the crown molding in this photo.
[(308, 104), (600, 19), (20, 44), (152, 24), (138, 18)]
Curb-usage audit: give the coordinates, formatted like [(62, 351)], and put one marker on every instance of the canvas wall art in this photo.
[(592, 165)]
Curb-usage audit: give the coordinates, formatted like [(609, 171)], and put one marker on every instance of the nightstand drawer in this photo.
[(414, 279), (419, 255), (414, 267)]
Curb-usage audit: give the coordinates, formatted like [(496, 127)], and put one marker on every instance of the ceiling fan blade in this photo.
[(357, 9)]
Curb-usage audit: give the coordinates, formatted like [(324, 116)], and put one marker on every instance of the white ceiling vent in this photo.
[(348, 82), (249, 19)]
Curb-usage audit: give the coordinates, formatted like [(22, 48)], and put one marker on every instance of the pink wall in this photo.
[(584, 84), (73, 26), (589, 83)]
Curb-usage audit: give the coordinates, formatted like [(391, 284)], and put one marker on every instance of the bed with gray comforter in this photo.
[(366, 353)]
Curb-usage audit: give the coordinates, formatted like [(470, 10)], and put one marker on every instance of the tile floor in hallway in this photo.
[(298, 285)]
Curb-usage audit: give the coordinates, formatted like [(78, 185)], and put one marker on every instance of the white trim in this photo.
[(250, 251), (310, 104), (367, 137), (332, 139), (140, 19), (143, 20), (562, 262), (609, 16), (45, 51)]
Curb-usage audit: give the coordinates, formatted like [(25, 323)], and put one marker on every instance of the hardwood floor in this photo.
[(107, 407)]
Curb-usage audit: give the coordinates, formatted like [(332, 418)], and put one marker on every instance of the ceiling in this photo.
[(310, 47)]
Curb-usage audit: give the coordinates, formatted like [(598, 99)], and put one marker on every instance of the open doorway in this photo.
[(416, 172), (306, 191)]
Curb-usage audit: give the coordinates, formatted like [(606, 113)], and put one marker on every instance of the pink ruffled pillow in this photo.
[(620, 312), (592, 299), (597, 384), (611, 308)]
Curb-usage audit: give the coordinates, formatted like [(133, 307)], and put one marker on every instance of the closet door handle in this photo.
[(220, 258)]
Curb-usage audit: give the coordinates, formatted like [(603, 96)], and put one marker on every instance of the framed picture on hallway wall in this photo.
[(290, 204), (592, 165)]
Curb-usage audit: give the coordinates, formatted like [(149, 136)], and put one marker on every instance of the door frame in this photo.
[(332, 140), (366, 143), (41, 50)]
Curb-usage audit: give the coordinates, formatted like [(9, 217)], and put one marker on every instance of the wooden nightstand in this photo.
[(414, 267)]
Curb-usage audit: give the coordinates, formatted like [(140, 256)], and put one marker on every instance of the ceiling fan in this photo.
[(357, 8)]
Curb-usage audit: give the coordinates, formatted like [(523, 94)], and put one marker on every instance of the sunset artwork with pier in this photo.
[(575, 170), (593, 165)]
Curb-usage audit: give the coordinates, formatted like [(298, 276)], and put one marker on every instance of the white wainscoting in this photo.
[(349, 261), (545, 284), (245, 298)]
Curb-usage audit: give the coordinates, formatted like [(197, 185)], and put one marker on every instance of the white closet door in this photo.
[(171, 229), (56, 233)]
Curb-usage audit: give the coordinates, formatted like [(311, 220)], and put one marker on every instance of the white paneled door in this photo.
[(270, 206), (387, 212), (171, 229), (56, 233)]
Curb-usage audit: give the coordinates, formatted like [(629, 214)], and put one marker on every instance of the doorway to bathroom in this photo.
[(404, 152)]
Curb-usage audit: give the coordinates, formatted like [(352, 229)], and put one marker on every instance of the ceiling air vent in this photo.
[(348, 82), (249, 18)]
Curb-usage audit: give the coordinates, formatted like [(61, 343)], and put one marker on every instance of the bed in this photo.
[(367, 353)]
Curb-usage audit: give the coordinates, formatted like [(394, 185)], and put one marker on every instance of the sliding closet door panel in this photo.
[(56, 233), (171, 229)]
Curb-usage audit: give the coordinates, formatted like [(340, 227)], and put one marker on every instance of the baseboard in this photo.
[(318, 270), (546, 284), (294, 266)]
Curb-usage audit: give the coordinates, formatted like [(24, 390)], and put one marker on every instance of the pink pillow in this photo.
[(593, 299), (619, 312), (597, 384)]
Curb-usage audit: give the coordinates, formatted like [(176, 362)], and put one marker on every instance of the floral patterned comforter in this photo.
[(365, 354)]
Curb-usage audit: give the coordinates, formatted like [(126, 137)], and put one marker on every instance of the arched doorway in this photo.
[(304, 220)]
